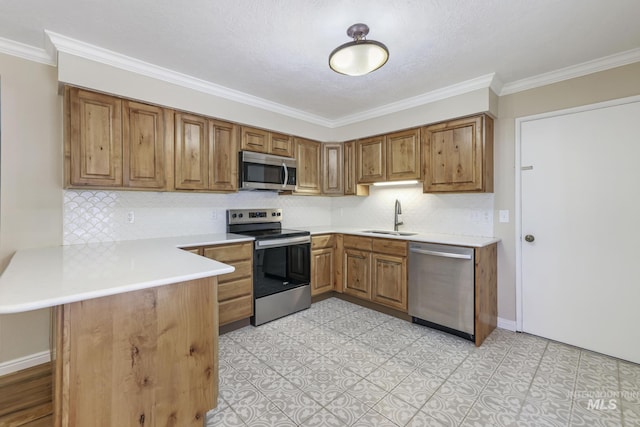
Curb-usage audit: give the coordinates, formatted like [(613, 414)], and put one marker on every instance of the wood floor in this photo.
[(26, 398)]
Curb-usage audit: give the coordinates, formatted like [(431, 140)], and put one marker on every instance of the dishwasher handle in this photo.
[(440, 254)]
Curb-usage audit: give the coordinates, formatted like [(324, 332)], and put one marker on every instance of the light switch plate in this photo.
[(504, 215)]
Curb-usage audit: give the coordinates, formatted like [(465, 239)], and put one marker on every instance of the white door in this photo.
[(580, 201)]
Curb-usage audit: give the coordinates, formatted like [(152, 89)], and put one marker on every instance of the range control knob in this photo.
[(279, 213), (233, 215), (240, 215), (273, 214)]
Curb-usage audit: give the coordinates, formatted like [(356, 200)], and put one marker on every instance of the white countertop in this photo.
[(446, 239), (46, 277)]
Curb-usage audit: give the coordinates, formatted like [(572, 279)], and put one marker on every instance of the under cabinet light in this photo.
[(389, 183)]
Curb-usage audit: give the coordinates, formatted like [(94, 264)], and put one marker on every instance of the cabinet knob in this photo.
[(529, 238)]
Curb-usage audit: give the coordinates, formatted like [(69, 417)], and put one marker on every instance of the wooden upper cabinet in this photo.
[(144, 133), (403, 155), (255, 140), (458, 155), (93, 142), (332, 169), (191, 152), (371, 160), (308, 169), (281, 145), (264, 141), (110, 142), (223, 156), (349, 154)]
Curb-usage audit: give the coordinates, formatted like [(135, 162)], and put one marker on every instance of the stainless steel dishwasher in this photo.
[(441, 287)]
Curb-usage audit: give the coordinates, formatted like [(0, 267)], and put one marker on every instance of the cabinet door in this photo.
[(144, 137), (223, 156), (322, 271), (255, 139), (281, 145), (332, 169), (454, 157), (349, 153), (357, 273), (389, 281), (191, 152), (94, 146), (403, 155), (371, 160), (308, 170)]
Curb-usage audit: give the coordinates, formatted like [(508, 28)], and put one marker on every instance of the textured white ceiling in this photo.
[(278, 49)]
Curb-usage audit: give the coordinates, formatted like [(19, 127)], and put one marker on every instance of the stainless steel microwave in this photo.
[(260, 171)]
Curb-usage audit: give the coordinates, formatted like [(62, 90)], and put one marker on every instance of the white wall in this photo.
[(30, 184)]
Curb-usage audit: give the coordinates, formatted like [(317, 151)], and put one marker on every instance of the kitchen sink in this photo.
[(390, 233)]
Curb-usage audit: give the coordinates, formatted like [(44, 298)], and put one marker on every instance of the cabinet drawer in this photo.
[(354, 242), (230, 253), (243, 269), (238, 288), (390, 246), (235, 309), (323, 241)]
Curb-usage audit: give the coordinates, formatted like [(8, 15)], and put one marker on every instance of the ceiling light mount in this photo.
[(359, 57)]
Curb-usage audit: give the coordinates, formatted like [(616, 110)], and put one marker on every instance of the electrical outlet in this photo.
[(504, 215), (131, 217)]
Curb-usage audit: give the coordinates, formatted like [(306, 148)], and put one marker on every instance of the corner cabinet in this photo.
[(308, 171), (332, 169), (458, 155), (351, 186), (206, 154), (115, 143)]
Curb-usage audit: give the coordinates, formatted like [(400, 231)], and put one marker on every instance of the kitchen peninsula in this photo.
[(136, 329)]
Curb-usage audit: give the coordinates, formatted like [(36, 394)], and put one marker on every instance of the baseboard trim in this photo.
[(509, 325), (25, 362)]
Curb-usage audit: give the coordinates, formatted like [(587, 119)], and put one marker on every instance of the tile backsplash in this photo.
[(100, 216)]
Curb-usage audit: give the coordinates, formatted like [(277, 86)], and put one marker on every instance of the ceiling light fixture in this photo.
[(359, 57)]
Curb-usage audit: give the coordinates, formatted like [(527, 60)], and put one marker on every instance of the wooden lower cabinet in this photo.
[(389, 280), (235, 290), (141, 358), (376, 270), (322, 264)]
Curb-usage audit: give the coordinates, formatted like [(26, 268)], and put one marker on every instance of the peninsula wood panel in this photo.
[(191, 152), (223, 156), (93, 144), (371, 160), (147, 357), (486, 291), (145, 145), (403, 155)]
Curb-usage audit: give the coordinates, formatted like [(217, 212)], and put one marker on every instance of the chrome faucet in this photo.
[(398, 211)]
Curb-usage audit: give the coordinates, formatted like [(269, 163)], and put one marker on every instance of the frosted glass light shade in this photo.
[(358, 58)]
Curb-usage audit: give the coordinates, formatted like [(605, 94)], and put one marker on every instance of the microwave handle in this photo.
[(286, 175)]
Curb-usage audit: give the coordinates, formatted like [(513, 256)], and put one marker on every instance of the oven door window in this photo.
[(280, 269)]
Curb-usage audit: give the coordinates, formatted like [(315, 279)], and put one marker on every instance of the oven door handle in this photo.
[(274, 243)]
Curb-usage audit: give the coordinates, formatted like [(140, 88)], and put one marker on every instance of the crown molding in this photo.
[(419, 100), (25, 51), (104, 56), (578, 70)]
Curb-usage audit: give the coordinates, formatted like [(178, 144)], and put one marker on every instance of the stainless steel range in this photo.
[(281, 263)]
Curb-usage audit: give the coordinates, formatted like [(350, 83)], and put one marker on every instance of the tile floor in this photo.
[(339, 364)]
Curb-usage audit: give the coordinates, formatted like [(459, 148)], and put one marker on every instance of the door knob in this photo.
[(529, 238)]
